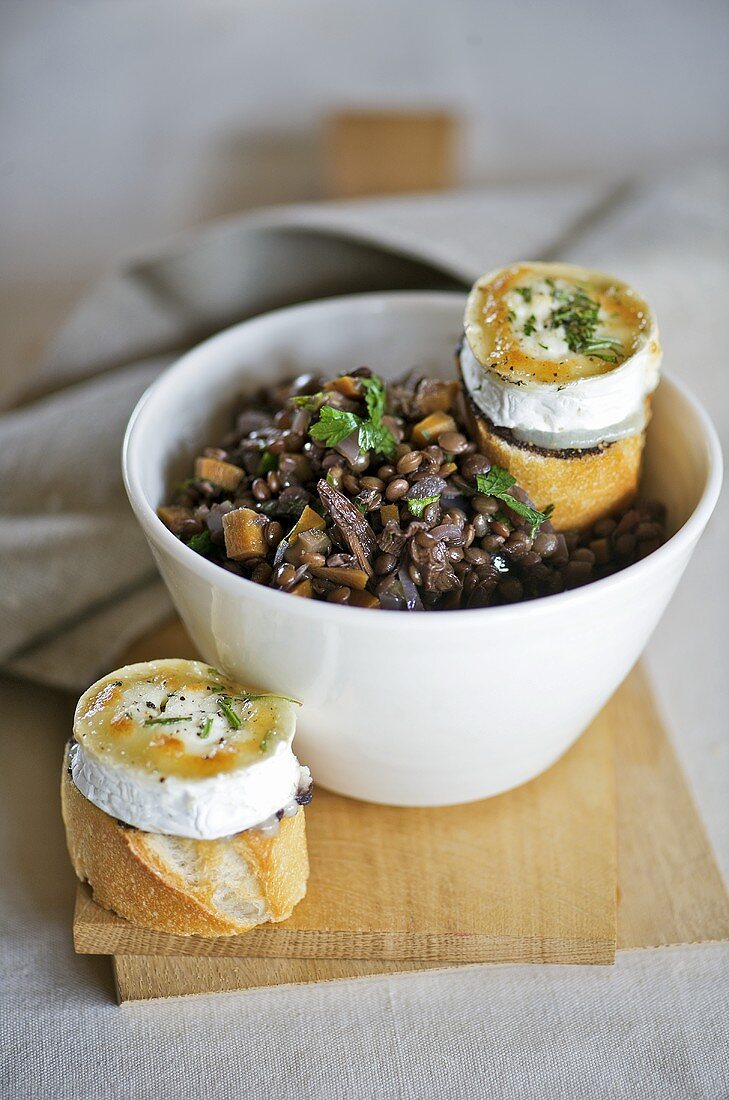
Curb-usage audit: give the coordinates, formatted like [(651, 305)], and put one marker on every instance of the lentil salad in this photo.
[(372, 495)]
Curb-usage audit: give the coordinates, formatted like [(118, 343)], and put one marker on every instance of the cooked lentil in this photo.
[(402, 527)]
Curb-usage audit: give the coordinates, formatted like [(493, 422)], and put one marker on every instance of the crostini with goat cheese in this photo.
[(558, 365), (183, 800)]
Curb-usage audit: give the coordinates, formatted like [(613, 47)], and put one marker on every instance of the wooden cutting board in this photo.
[(669, 889), (529, 876)]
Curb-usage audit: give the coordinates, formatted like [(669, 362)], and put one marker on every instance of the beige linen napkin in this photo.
[(77, 581)]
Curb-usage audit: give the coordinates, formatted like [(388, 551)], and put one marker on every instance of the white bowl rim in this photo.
[(319, 609)]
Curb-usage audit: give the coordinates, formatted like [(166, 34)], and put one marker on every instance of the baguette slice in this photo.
[(583, 486), (174, 884)]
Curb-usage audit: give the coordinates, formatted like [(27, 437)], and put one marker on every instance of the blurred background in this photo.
[(125, 122)]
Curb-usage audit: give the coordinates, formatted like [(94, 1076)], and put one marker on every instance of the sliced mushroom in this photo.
[(353, 527)]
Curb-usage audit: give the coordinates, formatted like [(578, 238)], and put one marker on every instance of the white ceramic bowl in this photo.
[(406, 708)]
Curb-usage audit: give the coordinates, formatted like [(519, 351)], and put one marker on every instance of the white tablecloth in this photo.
[(654, 1025)]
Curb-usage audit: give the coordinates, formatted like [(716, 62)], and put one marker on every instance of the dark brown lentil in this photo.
[(458, 552)]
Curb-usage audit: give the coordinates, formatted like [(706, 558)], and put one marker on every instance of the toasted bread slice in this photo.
[(173, 884), (583, 486)]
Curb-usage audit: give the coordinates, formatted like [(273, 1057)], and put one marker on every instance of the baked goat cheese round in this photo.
[(562, 356), (177, 747)]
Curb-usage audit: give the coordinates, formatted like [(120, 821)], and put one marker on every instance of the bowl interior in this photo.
[(193, 403)]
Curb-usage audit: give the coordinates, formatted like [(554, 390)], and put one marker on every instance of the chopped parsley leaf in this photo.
[(417, 505), (267, 463), (202, 543), (578, 314), (497, 482), (334, 424)]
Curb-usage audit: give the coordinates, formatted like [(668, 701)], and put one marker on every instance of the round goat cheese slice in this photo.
[(177, 747), (560, 355)]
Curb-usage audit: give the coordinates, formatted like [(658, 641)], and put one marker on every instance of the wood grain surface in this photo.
[(529, 876), (669, 888)]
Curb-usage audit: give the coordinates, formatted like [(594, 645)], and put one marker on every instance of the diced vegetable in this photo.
[(307, 521), (170, 513), (347, 386), (303, 588), (177, 518), (224, 474), (244, 532), (426, 431), (362, 599), (341, 575), (433, 395)]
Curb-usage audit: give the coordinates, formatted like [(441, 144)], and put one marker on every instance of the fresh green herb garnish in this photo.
[(525, 291), (417, 505), (293, 507), (233, 719), (167, 721), (578, 314), (205, 731), (530, 325), (377, 438), (374, 393), (497, 482), (270, 695), (334, 424), (310, 402), (201, 543), (603, 349), (267, 463), (188, 483)]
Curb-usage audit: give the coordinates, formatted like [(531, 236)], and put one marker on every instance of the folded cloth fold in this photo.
[(78, 583)]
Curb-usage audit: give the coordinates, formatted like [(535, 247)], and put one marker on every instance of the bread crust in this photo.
[(584, 486), (174, 884)]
